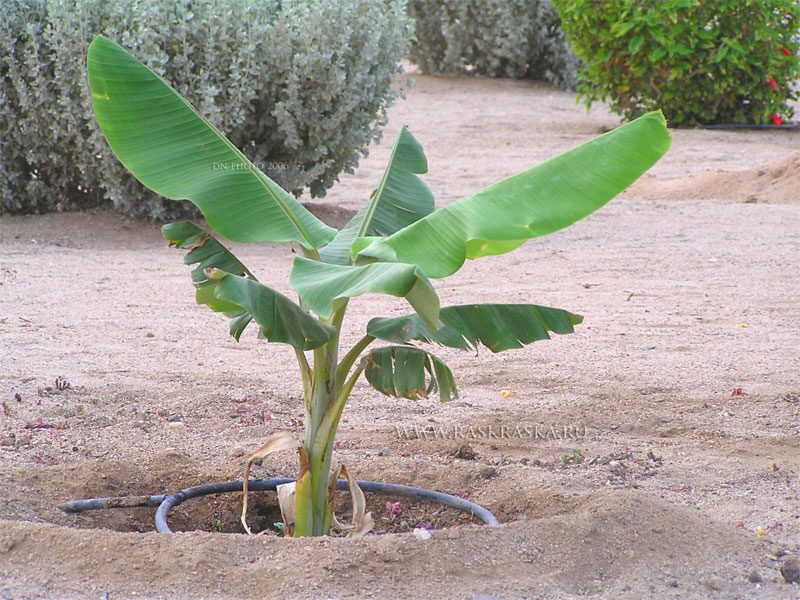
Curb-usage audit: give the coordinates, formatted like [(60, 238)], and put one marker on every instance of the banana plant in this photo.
[(397, 244)]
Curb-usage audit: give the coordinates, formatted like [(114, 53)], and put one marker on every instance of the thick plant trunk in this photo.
[(318, 442)]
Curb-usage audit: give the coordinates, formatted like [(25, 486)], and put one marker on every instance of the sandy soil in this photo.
[(681, 390)]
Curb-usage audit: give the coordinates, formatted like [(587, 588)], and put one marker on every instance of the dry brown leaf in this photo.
[(199, 242), (286, 493), (281, 440), (362, 520)]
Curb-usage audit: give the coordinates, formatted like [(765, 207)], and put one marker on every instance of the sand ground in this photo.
[(681, 390)]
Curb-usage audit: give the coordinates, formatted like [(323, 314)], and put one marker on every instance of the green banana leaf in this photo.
[(401, 371), (177, 153), (280, 319), (325, 287), (208, 253), (204, 250), (497, 326), (400, 199), (240, 318), (541, 200)]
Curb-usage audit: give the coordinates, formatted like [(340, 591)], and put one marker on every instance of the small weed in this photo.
[(61, 384), (395, 509), (83, 448), (219, 525), (78, 411), (575, 458)]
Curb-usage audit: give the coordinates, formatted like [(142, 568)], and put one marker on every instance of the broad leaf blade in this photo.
[(536, 202), (204, 250), (401, 198), (401, 371), (280, 319), (208, 253), (497, 326), (325, 287), (175, 152)]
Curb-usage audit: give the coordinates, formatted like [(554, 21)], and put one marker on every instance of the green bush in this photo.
[(702, 63), (302, 87), (496, 38)]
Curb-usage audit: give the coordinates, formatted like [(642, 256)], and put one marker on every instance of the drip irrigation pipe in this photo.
[(738, 126), (165, 503)]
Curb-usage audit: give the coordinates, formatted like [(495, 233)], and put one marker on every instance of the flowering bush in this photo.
[(702, 63)]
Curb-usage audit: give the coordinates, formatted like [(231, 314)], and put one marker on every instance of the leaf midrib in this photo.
[(172, 93), (373, 205)]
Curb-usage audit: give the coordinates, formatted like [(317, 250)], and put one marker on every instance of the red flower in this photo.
[(394, 508), (773, 84), (776, 119), (785, 51)]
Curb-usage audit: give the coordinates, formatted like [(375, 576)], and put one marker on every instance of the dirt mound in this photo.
[(611, 537), (775, 182)]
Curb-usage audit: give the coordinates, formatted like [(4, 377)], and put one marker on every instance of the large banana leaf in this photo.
[(497, 326), (204, 250), (401, 198), (541, 200), (208, 253), (401, 371), (175, 152), (325, 287), (280, 319)]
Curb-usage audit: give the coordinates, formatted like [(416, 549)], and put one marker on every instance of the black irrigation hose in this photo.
[(738, 126), (166, 502), (76, 506)]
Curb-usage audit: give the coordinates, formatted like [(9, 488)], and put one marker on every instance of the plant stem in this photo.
[(305, 374), (322, 451), (323, 392), (347, 362)]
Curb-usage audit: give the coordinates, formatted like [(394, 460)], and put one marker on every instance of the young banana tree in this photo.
[(395, 245)]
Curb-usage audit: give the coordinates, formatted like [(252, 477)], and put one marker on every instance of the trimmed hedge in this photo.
[(521, 39), (302, 87), (702, 63)]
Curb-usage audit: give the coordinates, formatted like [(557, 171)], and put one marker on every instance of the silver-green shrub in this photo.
[(301, 86), (496, 38)]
